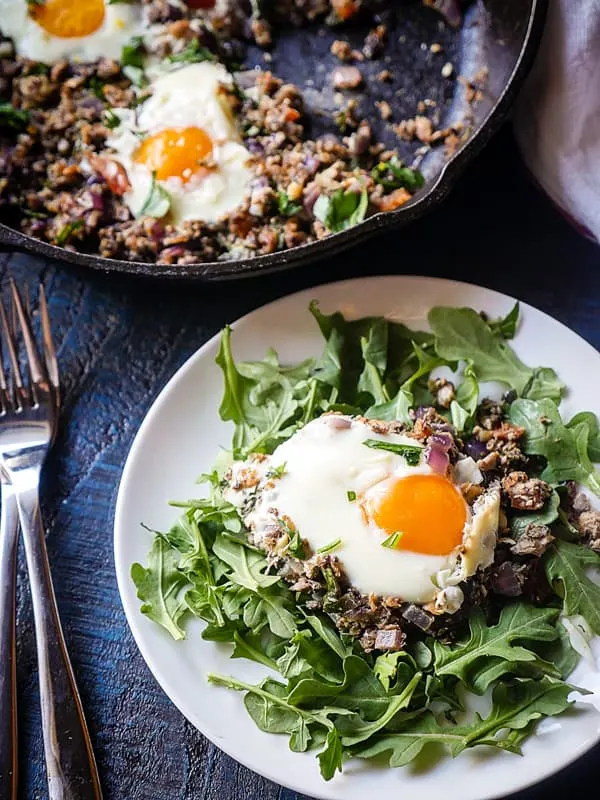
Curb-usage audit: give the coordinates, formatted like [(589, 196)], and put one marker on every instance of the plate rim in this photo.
[(133, 615)]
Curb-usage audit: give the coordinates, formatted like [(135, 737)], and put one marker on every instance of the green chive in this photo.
[(329, 547), (392, 540), (351, 496)]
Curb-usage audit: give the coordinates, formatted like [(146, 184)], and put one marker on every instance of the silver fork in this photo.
[(27, 420)]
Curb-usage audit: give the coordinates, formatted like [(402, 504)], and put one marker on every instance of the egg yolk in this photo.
[(426, 510), (68, 19), (175, 152)]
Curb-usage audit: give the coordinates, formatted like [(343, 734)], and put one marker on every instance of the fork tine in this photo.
[(10, 345), (37, 371), (49, 349)]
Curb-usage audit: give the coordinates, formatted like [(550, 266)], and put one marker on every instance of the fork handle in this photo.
[(9, 528), (70, 763)]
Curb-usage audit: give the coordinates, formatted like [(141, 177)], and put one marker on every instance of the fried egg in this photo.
[(186, 136), (404, 530), (83, 30)]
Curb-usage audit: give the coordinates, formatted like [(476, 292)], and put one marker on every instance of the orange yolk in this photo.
[(69, 18), (175, 152), (426, 510)]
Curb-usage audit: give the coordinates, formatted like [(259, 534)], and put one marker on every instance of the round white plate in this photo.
[(179, 439)]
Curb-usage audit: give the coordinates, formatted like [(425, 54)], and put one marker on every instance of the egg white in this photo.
[(180, 98), (121, 22), (322, 464)]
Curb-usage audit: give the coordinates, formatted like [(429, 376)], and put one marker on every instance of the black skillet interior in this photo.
[(498, 39)]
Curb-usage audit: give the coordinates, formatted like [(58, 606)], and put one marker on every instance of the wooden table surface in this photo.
[(119, 340)]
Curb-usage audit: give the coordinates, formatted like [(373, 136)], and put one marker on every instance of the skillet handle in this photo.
[(10, 239)]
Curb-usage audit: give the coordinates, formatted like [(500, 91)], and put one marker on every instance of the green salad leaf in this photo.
[(564, 448), (341, 210), (507, 326), (549, 514), (518, 623), (567, 566), (159, 587)]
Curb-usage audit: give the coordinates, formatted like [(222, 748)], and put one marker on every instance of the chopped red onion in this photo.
[(442, 440), (438, 459), (476, 449)]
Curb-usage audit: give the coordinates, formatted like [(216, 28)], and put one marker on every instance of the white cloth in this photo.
[(557, 118)]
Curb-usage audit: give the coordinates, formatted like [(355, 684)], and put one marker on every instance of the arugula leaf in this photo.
[(193, 53), (271, 711), (11, 117), (591, 420), (392, 175), (159, 586), (518, 623), (354, 729), (545, 384), (410, 452), (565, 449), (341, 210), (65, 233), (515, 707), (251, 646), (462, 335), (549, 514), (507, 326), (566, 566), (248, 566), (287, 208), (158, 201)]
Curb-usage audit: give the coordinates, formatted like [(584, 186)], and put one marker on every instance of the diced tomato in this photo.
[(201, 4), (345, 9)]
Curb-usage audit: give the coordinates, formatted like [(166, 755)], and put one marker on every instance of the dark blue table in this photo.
[(119, 340)]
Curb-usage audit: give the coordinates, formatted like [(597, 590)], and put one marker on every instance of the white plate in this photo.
[(179, 439)]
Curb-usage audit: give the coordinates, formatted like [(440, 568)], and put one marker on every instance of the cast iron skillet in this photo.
[(499, 35)]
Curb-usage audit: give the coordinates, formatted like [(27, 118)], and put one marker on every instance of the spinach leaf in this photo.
[(549, 514), (463, 409), (518, 623), (193, 53), (462, 335), (341, 210), (11, 117), (565, 449), (566, 566), (158, 201), (591, 420), (287, 208), (411, 453), (392, 175), (159, 587)]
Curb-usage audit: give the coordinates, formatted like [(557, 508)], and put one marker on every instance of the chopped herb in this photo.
[(193, 53), (392, 540), (111, 120), (34, 214), (65, 233), (158, 201), (96, 87), (341, 120), (329, 547), (277, 472), (132, 61), (392, 175), (411, 452), (11, 117), (351, 495), (132, 54), (286, 207), (38, 69), (296, 545), (135, 75), (120, 2), (341, 210)]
